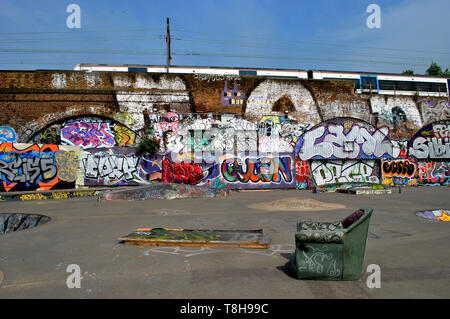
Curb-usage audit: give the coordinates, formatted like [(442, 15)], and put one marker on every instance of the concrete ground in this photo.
[(411, 251)]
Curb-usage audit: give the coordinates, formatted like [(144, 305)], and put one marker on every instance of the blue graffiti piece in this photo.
[(27, 170), (7, 134)]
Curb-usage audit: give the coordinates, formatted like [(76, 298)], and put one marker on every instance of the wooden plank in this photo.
[(197, 238)]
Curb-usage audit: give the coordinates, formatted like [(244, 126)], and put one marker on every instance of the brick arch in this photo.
[(270, 95), (25, 132), (59, 122)]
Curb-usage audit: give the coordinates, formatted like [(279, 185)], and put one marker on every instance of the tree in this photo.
[(408, 72), (434, 70)]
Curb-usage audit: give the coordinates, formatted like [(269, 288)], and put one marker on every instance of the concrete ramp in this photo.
[(163, 191)]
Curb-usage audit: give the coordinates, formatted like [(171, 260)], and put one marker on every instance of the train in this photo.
[(362, 82)]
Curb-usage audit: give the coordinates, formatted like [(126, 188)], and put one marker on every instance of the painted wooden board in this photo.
[(197, 238)]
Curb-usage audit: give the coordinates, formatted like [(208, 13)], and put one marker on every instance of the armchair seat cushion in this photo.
[(320, 236), (310, 225)]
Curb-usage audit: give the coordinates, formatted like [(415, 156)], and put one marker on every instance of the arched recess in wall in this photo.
[(85, 131), (271, 95)]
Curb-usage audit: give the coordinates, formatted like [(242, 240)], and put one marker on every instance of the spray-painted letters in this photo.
[(339, 172), (431, 142), (330, 142)]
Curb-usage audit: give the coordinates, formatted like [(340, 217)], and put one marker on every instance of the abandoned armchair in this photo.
[(331, 250)]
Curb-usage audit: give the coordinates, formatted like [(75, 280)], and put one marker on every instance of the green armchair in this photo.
[(331, 251)]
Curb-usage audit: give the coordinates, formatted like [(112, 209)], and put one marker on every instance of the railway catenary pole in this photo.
[(169, 57)]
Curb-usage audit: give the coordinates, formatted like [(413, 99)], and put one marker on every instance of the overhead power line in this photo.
[(70, 39), (76, 31), (283, 58), (298, 49), (148, 52), (313, 42)]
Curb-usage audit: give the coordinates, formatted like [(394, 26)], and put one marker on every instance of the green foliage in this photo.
[(408, 72), (434, 70), (148, 145)]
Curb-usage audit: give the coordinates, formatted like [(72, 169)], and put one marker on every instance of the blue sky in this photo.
[(287, 34)]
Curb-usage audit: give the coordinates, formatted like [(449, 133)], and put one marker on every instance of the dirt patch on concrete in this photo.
[(296, 204)]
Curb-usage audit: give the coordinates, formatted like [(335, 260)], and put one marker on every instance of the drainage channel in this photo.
[(12, 222)]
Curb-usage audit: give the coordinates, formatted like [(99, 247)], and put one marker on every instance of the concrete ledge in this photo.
[(53, 194), (163, 191)]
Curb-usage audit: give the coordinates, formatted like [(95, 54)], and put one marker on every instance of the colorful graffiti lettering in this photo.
[(49, 135), (330, 142), (399, 172), (257, 170), (183, 172), (399, 168), (301, 173), (434, 173), (439, 214), (29, 167), (161, 127), (339, 172), (7, 134), (431, 141), (67, 165), (110, 168), (88, 134), (123, 135)]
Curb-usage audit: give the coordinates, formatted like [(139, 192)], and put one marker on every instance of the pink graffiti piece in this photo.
[(171, 117), (88, 135), (162, 127), (434, 172)]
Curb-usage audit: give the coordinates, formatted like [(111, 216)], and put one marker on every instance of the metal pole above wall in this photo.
[(169, 57)]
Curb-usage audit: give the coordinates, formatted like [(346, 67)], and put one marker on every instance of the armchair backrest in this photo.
[(356, 218)]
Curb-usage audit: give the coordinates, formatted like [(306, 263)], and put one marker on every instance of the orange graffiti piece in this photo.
[(10, 148), (399, 168), (444, 217)]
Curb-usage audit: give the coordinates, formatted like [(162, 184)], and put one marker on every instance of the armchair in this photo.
[(331, 250)]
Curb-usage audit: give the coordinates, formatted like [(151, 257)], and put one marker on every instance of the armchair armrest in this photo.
[(320, 236), (309, 225)]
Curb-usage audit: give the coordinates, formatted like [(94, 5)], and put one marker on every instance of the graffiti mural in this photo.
[(232, 97), (278, 134), (185, 173), (433, 173), (399, 172), (264, 171), (438, 214), (205, 135), (335, 141), (301, 173), (88, 134), (49, 135), (31, 167), (123, 136), (7, 134), (67, 163), (433, 110), (106, 166), (431, 141), (348, 171), (170, 123)]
